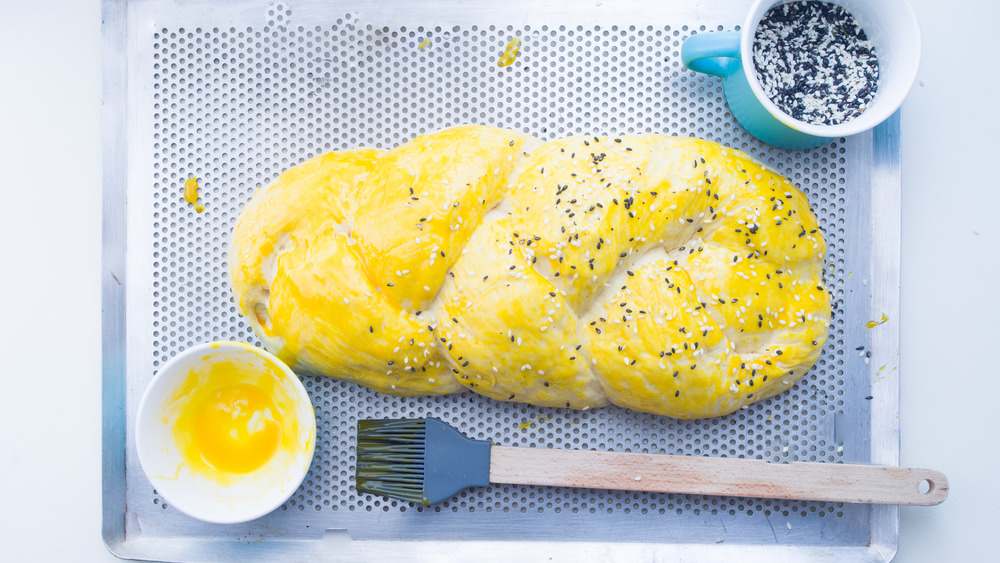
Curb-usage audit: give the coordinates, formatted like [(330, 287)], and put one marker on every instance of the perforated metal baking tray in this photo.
[(235, 92)]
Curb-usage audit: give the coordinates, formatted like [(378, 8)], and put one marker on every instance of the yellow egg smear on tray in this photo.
[(191, 194), (510, 52), (230, 420)]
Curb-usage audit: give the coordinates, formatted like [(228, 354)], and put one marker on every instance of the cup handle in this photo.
[(716, 53)]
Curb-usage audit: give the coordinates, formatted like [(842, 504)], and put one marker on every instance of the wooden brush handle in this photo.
[(717, 476)]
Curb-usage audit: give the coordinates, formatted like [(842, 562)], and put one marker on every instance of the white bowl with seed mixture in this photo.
[(809, 62)]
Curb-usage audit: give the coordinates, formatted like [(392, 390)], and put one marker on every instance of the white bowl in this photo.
[(891, 26), (203, 487)]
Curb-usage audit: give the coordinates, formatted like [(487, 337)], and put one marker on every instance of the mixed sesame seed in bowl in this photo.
[(800, 74), (831, 68)]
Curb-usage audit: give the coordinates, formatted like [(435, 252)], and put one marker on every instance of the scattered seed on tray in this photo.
[(815, 62)]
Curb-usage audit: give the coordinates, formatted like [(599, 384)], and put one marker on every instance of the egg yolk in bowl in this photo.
[(230, 419), (225, 432), (232, 428)]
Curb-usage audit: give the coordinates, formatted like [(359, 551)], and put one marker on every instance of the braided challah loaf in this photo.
[(667, 275)]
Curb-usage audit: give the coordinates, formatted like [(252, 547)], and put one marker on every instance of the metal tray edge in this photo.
[(886, 188), (113, 116)]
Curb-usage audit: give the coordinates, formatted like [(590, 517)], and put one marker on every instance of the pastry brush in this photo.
[(425, 461)]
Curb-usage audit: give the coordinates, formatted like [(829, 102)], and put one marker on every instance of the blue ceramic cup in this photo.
[(890, 25)]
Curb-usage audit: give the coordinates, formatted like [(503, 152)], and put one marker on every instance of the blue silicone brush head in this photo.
[(420, 460)]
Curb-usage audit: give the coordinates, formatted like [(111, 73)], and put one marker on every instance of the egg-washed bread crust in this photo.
[(667, 275)]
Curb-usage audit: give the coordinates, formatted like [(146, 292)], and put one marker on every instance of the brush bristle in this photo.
[(391, 455)]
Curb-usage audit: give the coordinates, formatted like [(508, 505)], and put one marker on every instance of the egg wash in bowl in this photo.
[(225, 432)]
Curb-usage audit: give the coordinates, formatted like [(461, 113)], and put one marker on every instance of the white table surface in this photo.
[(50, 262)]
